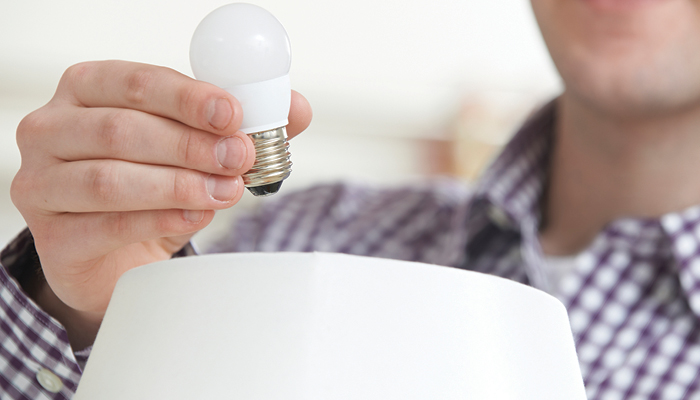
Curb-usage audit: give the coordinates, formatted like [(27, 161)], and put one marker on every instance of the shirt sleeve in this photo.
[(294, 221), (422, 222), (36, 359)]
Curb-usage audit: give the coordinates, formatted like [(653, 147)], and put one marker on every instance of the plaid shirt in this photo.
[(633, 297)]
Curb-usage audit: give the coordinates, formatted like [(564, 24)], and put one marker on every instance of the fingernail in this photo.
[(194, 216), (220, 113), (222, 188), (231, 152)]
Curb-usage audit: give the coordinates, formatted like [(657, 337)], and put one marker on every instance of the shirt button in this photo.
[(499, 217), (49, 381)]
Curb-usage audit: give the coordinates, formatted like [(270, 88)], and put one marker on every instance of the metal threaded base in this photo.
[(272, 164)]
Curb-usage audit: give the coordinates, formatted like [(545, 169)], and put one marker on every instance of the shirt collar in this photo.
[(515, 181), (509, 192), (683, 232)]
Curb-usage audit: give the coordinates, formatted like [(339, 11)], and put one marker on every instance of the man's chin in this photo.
[(621, 6), (626, 102), (631, 87)]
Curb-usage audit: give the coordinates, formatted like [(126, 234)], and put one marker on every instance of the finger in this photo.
[(111, 185), (152, 89), (129, 135), (300, 115), (102, 233)]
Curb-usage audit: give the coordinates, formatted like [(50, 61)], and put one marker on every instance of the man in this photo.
[(594, 200)]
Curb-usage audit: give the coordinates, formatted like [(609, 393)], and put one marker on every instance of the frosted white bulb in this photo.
[(239, 43), (245, 50)]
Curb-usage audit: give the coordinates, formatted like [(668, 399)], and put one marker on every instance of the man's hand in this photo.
[(123, 165)]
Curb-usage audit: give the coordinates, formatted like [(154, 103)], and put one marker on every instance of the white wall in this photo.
[(375, 71)]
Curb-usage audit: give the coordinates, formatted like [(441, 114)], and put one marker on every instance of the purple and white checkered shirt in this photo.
[(633, 297)]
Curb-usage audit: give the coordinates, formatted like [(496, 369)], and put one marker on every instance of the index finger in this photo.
[(152, 89)]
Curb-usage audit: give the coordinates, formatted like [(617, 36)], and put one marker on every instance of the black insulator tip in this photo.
[(265, 190)]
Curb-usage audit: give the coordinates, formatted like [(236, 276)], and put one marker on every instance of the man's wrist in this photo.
[(81, 326)]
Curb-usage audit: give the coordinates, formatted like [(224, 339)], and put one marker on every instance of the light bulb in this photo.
[(245, 50)]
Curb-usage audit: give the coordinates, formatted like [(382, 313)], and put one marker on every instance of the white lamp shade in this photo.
[(328, 326)]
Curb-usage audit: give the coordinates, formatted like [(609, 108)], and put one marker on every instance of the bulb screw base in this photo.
[(272, 162)]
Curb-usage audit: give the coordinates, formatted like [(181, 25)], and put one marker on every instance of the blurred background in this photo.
[(402, 90)]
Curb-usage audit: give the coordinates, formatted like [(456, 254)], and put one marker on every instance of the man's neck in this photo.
[(603, 168)]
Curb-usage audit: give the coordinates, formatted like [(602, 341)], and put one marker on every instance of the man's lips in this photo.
[(621, 5)]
